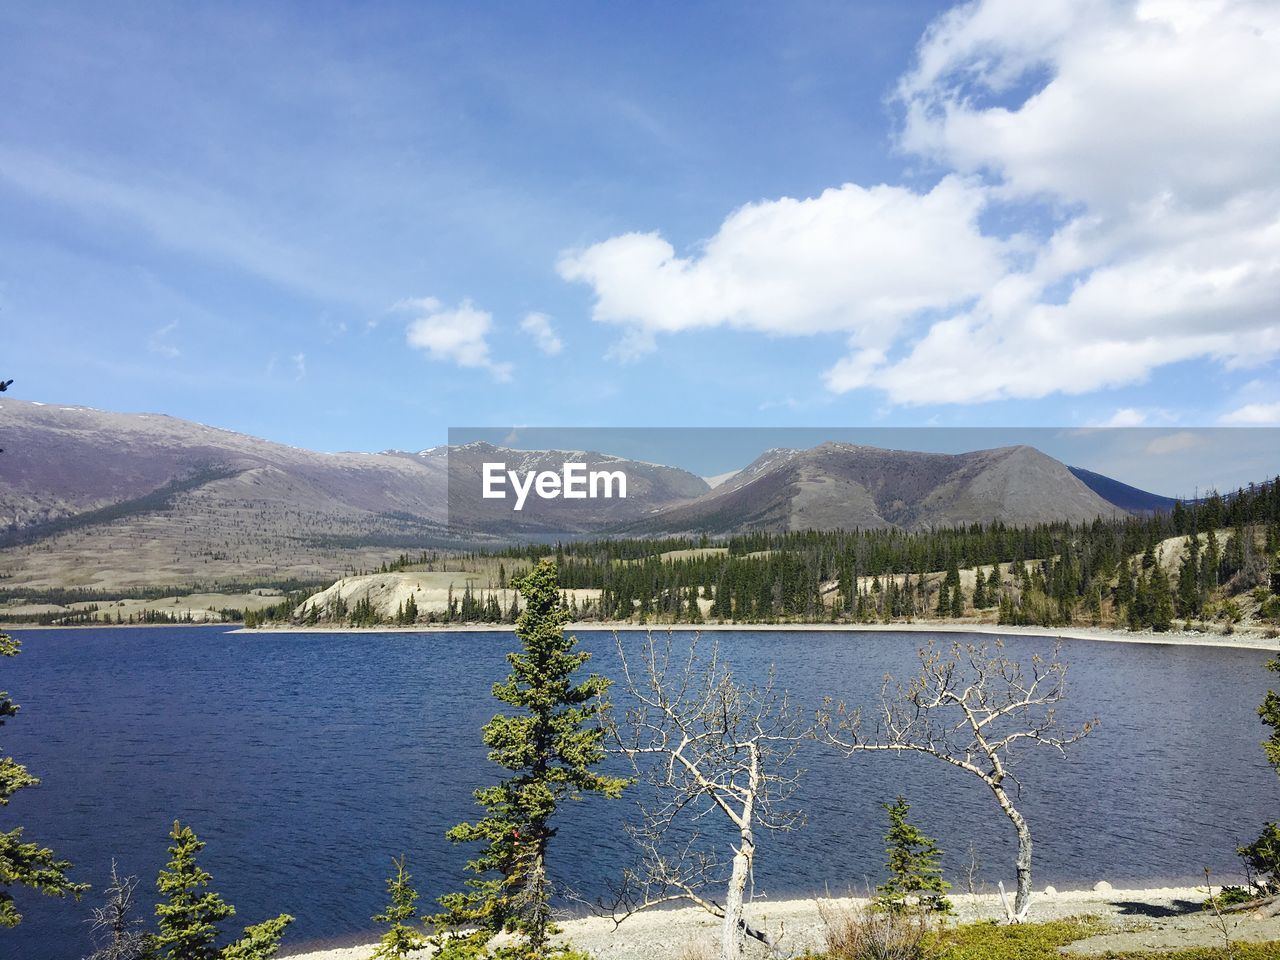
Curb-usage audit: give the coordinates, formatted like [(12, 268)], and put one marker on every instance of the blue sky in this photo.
[(353, 227)]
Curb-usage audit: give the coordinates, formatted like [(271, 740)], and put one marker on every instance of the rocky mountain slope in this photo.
[(94, 499), (839, 485)]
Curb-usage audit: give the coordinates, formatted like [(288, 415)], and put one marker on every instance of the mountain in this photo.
[(650, 488), (1130, 499), (95, 499), (840, 485), (115, 501)]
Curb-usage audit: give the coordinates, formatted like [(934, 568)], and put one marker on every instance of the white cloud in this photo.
[(1125, 417), (1173, 443), (1152, 98), (458, 335), (1253, 415), (185, 214), (159, 341), (299, 365), (853, 260), (545, 338), (1172, 249), (1140, 136)]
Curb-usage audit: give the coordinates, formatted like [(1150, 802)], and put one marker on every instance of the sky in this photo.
[(1182, 462), (351, 227)]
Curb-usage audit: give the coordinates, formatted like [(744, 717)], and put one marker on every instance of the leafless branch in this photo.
[(974, 709), (708, 746)]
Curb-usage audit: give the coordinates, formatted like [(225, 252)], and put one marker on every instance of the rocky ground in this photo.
[(1163, 918)]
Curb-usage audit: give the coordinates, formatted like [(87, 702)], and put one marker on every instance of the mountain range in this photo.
[(92, 498)]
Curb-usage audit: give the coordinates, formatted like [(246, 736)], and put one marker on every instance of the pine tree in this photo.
[(944, 601), (1006, 609), (188, 920), (550, 747), (401, 939), (1160, 600), (22, 863), (1262, 857), (1189, 600), (915, 879)]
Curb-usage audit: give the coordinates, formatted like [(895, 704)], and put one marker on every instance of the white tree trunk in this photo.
[(734, 921), (1022, 899)]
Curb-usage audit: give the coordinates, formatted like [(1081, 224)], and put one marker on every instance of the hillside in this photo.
[(91, 499), (1122, 495), (115, 501), (842, 486)]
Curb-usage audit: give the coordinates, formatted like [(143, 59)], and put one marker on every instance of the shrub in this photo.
[(915, 879), (1229, 897), (875, 934), (1262, 860)]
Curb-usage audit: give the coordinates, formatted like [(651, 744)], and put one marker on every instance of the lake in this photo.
[(307, 761)]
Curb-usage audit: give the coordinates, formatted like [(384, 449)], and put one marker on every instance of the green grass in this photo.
[(1040, 941), (1026, 941)]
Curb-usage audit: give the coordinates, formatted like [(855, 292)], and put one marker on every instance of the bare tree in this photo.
[(973, 709), (708, 746), (116, 932)]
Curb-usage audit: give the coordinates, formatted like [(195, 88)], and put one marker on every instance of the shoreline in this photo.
[(660, 934), (1240, 640)]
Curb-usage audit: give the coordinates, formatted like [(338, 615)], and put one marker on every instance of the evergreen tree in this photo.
[(1006, 609), (979, 590), (915, 879), (944, 601), (401, 939), (550, 747), (188, 920), (1210, 560), (1160, 600), (695, 611), (23, 863), (1190, 602), (1262, 857)]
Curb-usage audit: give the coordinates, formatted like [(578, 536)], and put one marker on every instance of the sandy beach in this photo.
[(1163, 917)]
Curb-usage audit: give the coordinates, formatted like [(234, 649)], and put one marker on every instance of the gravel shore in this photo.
[(1163, 917), (1244, 638)]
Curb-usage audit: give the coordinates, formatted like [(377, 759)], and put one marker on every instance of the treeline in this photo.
[(65, 596), (93, 615), (1049, 574)]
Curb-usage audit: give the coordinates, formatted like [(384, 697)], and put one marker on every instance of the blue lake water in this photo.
[(306, 761)]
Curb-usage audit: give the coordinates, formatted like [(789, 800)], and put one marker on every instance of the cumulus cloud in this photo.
[(853, 260), (1137, 142), (539, 327), (1253, 415), (1172, 249), (456, 335)]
